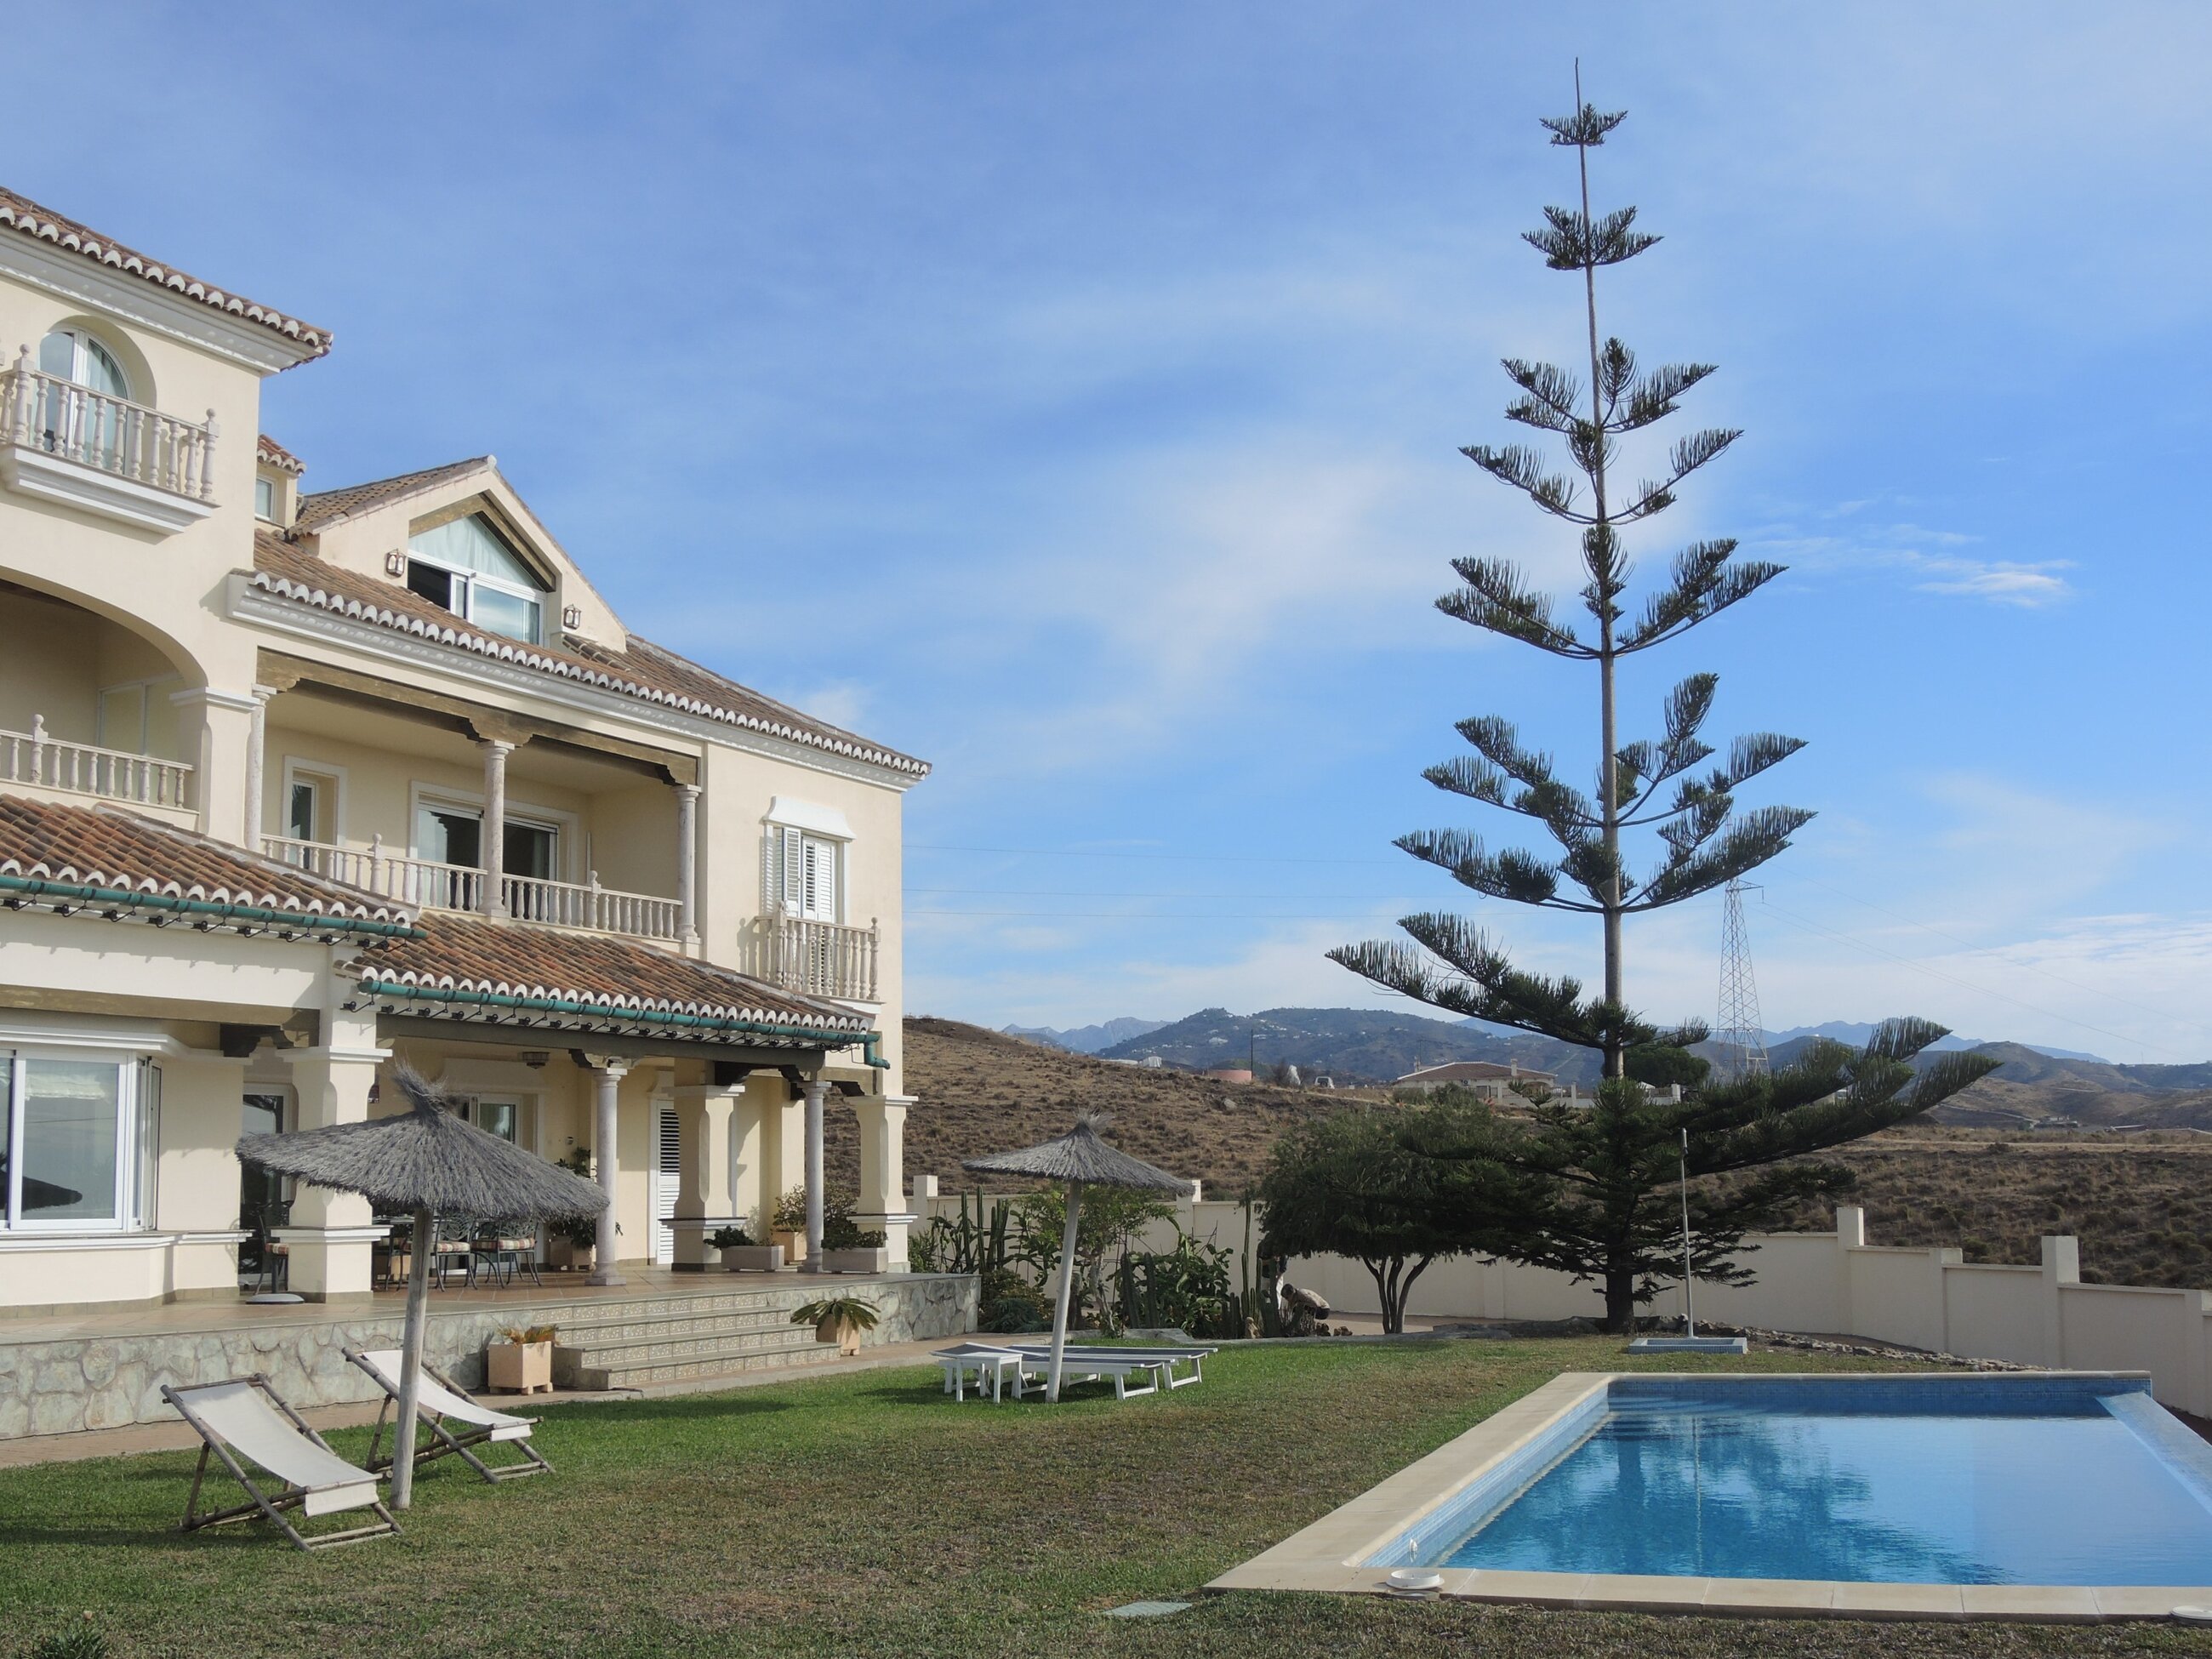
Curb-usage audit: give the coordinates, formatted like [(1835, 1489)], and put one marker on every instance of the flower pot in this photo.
[(752, 1258), (875, 1260), (567, 1254), (519, 1367), (793, 1245), (847, 1341)]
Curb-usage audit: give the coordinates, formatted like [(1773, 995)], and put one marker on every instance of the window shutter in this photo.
[(794, 872)]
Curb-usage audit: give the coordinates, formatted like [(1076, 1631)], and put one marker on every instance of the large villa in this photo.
[(295, 783)]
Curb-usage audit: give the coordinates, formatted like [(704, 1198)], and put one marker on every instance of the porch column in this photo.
[(214, 733), (816, 1090), (883, 1170), (705, 1200), (327, 1240), (687, 862), (257, 752), (493, 900), (606, 1080)]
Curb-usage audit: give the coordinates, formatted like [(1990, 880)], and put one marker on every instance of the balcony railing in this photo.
[(434, 886), (823, 958), (84, 769), (110, 434)]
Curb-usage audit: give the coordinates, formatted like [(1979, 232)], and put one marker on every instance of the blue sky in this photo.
[(1072, 395)]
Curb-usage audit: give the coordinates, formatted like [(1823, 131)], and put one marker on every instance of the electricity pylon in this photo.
[(1739, 1034)]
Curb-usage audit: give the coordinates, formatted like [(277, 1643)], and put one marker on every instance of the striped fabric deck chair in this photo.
[(242, 1417), (457, 1423)]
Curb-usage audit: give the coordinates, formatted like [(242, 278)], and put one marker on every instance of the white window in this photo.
[(264, 499), (312, 804), (803, 873), (454, 834), (70, 423), (78, 1151), (71, 354), (466, 565)]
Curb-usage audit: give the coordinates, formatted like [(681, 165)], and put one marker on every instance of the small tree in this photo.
[(1604, 1166), (1355, 1184)]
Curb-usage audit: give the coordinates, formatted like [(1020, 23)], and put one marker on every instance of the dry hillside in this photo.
[(982, 1092), (2142, 1206)]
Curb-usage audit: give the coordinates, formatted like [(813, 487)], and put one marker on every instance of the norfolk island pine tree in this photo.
[(1605, 1172)]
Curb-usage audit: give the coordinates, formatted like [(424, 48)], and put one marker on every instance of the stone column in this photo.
[(330, 1233), (687, 862), (705, 1200), (606, 1081), (816, 1090), (493, 900), (2062, 1267), (214, 730), (883, 1170), (257, 753)]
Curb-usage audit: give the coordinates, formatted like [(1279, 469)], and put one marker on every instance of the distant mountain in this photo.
[(1352, 1045), (1085, 1039), (1858, 1032)]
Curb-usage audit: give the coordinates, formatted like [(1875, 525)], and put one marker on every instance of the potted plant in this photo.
[(740, 1255), (839, 1319), (521, 1361), (848, 1248), (570, 1245), (787, 1230)]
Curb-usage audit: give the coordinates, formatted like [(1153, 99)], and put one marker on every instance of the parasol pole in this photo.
[(410, 1360), (1066, 1285)]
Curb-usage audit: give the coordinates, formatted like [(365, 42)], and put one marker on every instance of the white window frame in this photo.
[(568, 829), (303, 769), (264, 499), (466, 582), (790, 829), (79, 336), (134, 1168)]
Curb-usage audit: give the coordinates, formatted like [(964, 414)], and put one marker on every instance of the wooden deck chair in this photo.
[(244, 1417), (444, 1405)]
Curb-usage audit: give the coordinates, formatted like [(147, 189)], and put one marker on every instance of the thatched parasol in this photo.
[(1077, 1159), (428, 1161)]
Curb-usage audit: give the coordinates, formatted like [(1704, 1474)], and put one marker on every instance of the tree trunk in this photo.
[(1621, 1299)]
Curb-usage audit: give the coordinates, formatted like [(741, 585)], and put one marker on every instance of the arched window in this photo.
[(71, 354), (85, 428)]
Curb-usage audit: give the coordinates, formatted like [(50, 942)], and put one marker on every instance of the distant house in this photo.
[(1486, 1077)]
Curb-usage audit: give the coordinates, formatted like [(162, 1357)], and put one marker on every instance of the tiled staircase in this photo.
[(680, 1339)]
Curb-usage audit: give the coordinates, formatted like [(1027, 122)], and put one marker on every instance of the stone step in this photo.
[(776, 1340), (645, 1371), (594, 1333)]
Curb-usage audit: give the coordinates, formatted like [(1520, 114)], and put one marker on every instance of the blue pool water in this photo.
[(1996, 1480)]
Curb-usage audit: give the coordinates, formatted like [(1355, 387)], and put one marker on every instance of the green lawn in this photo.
[(867, 1514)]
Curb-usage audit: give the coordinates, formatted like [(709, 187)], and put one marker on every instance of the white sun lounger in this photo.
[(243, 1415), (1089, 1363), (443, 1405)]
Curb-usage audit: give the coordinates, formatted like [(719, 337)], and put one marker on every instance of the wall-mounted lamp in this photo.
[(395, 562), (535, 1059), (572, 616)]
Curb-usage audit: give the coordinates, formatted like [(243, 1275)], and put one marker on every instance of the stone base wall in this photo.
[(106, 1381)]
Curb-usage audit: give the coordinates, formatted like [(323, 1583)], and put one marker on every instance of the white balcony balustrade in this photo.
[(825, 958), (432, 886), (103, 453), (82, 769)]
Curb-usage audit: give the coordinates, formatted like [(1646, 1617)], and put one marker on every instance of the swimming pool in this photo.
[(2042, 1494)]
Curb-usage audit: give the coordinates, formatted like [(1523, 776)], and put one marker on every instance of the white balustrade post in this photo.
[(687, 863), (21, 396), (207, 461), (817, 1091), (493, 900), (606, 1080)]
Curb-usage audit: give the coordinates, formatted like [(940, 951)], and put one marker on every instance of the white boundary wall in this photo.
[(1824, 1283)]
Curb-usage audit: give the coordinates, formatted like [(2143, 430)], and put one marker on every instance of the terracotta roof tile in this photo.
[(25, 218), (47, 850), (269, 452), (643, 670), (587, 979), (331, 505)]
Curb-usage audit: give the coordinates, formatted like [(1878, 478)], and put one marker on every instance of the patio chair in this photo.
[(243, 1417), (442, 1404), (1081, 1364), (449, 1251)]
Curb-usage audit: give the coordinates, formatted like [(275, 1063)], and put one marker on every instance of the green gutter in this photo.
[(257, 914), (647, 1016)]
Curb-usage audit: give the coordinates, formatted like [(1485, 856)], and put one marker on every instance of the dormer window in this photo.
[(467, 566), (264, 499)]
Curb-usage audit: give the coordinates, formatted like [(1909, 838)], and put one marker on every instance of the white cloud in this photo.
[(1903, 549), (2025, 585)]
